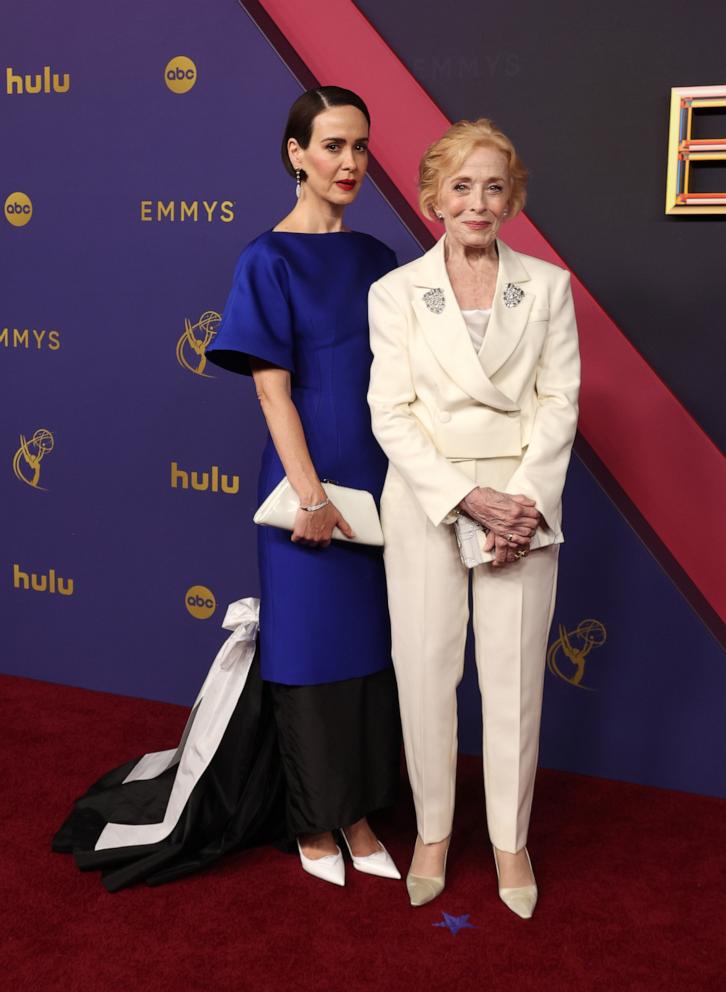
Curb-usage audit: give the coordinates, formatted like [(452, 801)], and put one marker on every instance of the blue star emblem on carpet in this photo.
[(455, 923)]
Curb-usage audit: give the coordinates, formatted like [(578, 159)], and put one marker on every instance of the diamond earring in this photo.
[(297, 183)]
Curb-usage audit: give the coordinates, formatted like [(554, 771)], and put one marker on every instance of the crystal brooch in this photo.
[(434, 300), (512, 295)]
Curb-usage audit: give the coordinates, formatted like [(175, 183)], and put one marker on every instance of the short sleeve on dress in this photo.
[(257, 321)]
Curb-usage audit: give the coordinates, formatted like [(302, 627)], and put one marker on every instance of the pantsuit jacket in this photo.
[(434, 401)]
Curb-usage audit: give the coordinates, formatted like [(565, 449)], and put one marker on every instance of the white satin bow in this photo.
[(243, 619), (204, 729)]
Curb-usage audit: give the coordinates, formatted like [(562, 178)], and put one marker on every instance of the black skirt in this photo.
[(340, 745), (290, 760)]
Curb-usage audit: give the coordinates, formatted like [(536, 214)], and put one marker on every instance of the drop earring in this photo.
[(297, 183)]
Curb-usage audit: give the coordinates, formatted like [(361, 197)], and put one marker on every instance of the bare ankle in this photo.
[(318, 845), (361, 839), (429, 859), (360, 826)]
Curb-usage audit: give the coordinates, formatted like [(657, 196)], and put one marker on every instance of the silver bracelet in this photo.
[(315, 506)]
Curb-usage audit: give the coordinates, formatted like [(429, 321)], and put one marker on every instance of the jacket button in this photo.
[(444, 416)]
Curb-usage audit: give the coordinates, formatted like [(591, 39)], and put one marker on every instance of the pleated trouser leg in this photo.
[(513, 609), (428, 600)]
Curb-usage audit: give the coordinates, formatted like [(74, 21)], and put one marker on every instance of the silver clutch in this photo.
[(356, 505), (471, 538)]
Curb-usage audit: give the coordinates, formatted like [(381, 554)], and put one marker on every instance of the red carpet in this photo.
[(632, 886)]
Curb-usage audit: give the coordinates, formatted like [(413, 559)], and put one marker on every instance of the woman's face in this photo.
[(474, 202), (336, 159)]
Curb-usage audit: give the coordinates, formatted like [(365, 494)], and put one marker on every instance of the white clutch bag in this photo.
[(356, 505), (471, 538)]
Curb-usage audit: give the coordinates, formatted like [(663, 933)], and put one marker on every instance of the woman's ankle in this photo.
[(429, 859), (361, 838), (318, 845)]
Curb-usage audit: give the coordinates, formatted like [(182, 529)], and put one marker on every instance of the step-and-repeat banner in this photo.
[(140, 155)]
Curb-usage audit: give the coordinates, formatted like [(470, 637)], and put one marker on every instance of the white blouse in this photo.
[(476, 323)]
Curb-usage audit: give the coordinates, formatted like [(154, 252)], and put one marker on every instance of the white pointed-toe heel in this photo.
[(425, 888), (520, 899), (330, 867), (379, 863)]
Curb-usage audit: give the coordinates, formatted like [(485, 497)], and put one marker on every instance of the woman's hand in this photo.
[(514, 518), (504, 552), (314, 528)]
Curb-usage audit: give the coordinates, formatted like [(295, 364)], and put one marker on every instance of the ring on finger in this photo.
[(520, 554), (510, 537)]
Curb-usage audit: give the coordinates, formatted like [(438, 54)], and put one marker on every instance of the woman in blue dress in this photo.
[(296, 320), (312, 744)]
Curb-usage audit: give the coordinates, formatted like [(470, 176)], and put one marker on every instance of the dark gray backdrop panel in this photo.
[(584, 92)]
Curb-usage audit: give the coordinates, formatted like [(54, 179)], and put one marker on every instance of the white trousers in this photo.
[(428, 590)]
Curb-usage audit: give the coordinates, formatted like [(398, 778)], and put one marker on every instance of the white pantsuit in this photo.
[(448, 420)]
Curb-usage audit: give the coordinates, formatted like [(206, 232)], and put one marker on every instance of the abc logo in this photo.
[(200, 602), (180, 74), (18, 209)]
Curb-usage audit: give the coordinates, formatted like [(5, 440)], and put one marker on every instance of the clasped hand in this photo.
[(510, 520), (315, 529)]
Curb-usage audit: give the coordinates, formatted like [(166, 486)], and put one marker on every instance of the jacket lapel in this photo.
[(446, 332), (506, 323)]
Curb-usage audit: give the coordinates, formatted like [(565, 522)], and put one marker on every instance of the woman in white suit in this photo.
[(473, 395)]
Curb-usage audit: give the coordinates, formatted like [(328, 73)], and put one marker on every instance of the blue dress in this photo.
[(313, 742), (299, 301)]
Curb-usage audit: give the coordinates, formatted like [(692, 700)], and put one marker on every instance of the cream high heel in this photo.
[(520, 899), (423, 888)]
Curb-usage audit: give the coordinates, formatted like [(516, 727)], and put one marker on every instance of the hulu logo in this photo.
[(51, 582), (212, 481), (36, 82)]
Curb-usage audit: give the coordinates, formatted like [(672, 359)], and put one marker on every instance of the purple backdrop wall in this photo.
[(104, 293)]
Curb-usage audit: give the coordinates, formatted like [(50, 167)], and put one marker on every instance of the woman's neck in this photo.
[(308, 218), (473, 256)]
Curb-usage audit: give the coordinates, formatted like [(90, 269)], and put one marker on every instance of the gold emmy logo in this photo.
[(191, 345), (571, 650), (27, 459), (180, 74), (200, 602), (18, 209)]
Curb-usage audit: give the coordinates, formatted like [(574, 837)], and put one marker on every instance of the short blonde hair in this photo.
[(446, 156)]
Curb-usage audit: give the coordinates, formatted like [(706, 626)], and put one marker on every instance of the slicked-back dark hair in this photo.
[(306, 108)]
